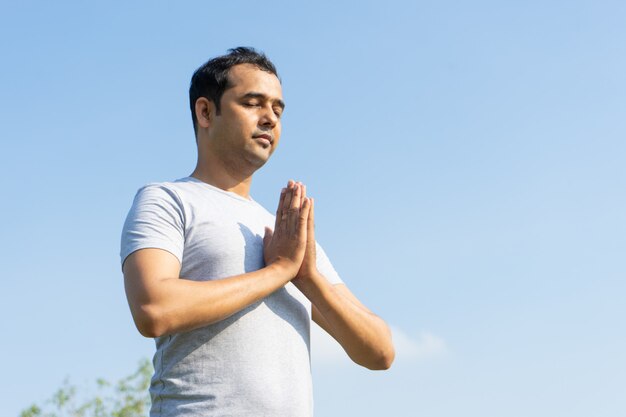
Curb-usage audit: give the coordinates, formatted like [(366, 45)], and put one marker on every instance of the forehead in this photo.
[(245, 78)]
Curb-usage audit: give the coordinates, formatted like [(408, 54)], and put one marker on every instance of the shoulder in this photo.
[(157, 201), (176, 192), (168, 189), (156, 219)]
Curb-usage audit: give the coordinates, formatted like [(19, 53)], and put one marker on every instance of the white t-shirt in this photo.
[(254, 363)]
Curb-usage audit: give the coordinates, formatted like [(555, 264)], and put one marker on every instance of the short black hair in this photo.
[(211, 79)]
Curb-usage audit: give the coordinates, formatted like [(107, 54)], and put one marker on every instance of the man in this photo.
[(226, 290)]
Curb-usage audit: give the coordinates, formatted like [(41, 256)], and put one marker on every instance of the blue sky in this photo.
[(467, 160)]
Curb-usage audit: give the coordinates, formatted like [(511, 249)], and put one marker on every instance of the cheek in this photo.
[(276, 141)]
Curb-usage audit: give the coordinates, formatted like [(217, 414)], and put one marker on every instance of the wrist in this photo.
[(309, 274), (282, 268), (309, 283)]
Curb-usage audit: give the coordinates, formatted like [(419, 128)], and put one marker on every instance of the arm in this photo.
[(161, 303), (364, 336)]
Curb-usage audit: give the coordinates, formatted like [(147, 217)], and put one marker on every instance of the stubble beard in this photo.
[(246, 162)]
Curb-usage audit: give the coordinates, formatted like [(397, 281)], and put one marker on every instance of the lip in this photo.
[(267, 139)]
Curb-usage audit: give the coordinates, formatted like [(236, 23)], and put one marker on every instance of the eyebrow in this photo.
[(262, 96)]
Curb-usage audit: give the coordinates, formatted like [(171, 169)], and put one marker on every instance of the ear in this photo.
[(205, 112)]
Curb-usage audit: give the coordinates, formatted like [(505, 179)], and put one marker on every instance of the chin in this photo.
[(257, 161)]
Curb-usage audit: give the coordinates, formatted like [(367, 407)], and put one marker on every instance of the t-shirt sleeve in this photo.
[(325, 267), (155, 220)]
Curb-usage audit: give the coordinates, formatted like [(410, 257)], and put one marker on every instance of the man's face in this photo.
[(248, 127)]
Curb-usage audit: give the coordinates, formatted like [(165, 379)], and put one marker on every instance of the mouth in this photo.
[(265, 139)]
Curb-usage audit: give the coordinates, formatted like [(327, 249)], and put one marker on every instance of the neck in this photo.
[(216, 173)]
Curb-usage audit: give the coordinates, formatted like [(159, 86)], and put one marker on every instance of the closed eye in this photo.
[(255, 99)]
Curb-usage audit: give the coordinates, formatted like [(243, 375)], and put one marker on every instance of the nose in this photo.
[(268, 117)]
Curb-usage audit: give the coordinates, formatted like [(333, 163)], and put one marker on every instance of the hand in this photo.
[(286, 245), (308, 269)]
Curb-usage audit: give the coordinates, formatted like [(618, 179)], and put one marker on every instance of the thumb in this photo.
[(268, 236)]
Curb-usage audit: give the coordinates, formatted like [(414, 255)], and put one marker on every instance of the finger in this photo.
[(279, 210), (281, 200), (303, 219), (298, 201), (287, 202), (310, 229), (297, 195), (294, 211), (303, 187)]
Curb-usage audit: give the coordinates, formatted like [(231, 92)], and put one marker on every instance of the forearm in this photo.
[(162, 302), (365, 337), (177, 305)]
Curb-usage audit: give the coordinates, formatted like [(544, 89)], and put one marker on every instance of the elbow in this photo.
[(377, 355), (149, 330), (149, 322), (387, 359), (383, 359), (379, 359), (384, 354)]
